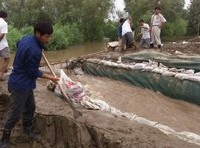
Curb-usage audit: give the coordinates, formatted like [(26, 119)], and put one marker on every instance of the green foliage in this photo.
[(88, 15), (27, 30), (93, 14), (177, 28), (194, 18), (175, 31), (168, 30), (74, 34), (110, 30), (13, 36), (59, 40), (64, 36), (180, 27)]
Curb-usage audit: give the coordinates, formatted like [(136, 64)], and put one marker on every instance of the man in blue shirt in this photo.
[(22, 80)]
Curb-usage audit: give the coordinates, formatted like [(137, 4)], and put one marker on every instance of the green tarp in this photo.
[(175, 61), (170, 86)]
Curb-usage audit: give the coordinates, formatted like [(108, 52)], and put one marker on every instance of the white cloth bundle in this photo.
[(74, 90)]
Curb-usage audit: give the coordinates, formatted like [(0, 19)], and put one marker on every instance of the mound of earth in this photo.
[(56, 126), (189, 48), (196, 39)]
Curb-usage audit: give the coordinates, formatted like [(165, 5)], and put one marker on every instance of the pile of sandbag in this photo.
[(76, 93), (152, 66)]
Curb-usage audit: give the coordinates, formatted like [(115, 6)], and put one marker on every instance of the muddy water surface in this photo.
[(177, 114), (74, 51)]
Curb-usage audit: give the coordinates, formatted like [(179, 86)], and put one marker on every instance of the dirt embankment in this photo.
[(55, 124), (189, 48)]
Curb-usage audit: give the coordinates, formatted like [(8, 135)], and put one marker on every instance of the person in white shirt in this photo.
[(4, 50), (145, 40), (127, 34), (157, 21)]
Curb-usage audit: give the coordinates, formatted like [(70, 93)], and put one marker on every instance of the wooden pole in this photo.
[(76, 113)]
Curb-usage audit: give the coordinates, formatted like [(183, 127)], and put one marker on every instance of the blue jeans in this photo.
[(22, 102)]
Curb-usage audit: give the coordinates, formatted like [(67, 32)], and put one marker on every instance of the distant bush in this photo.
[(26, 30), (59, 39), (65, 36), (74, 34), (175, 29), (13, 36), (110, 30)]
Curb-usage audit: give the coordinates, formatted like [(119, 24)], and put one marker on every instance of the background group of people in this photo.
[(150, 34)]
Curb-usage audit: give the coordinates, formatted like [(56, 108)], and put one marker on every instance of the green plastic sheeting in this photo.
[(170, 86), (178, 61)]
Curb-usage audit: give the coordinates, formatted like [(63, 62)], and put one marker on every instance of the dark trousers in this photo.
[(22, 102), (128, 40)]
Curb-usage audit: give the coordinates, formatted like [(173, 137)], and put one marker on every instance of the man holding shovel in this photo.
[(22, 80)]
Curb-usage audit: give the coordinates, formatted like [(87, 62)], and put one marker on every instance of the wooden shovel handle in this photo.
[(49, 66), (62, 91)]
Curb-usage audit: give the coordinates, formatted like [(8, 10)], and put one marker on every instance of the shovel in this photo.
[(67, 99)]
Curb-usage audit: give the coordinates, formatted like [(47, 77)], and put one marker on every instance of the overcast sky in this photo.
[(119, 4)]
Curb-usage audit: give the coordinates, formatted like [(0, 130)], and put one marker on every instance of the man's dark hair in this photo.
[(121, 20), (3, 14), (141, 21), (157, 8), (43, 27)]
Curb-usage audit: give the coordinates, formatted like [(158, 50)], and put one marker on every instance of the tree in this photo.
[(194, 18), (90, 15)]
